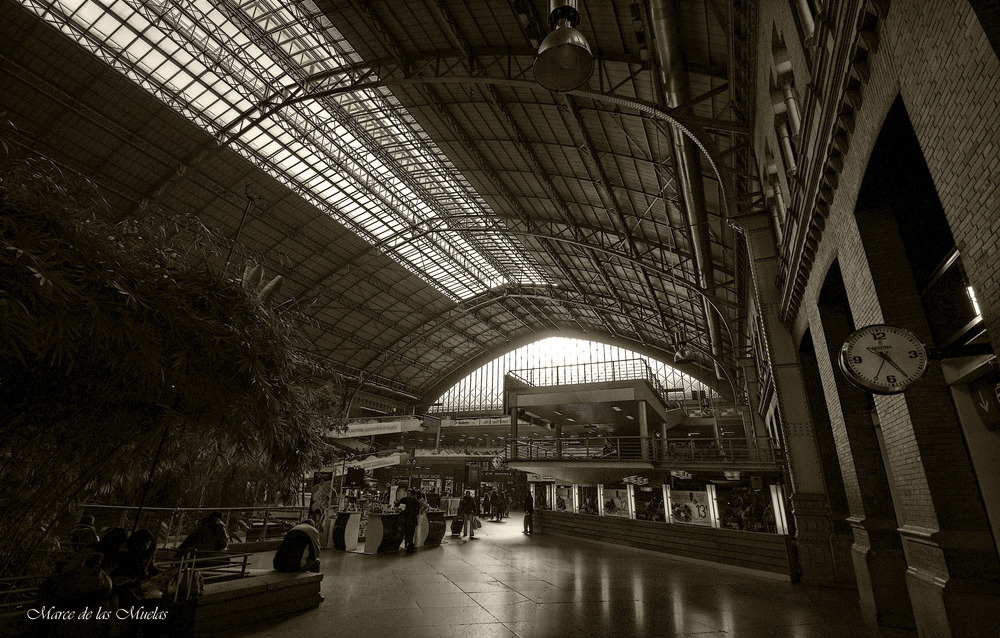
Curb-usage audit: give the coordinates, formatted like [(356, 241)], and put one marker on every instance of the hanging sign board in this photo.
[(496, 420), (373, 462), (374, 427)]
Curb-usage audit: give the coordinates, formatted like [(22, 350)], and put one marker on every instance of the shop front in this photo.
[(728, 519)]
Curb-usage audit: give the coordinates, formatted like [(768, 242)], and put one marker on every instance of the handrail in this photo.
[(198, 509), (386, 418), (648, 448), (171, 524)]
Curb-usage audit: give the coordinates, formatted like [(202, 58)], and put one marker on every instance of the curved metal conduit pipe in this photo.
[(663, 18)]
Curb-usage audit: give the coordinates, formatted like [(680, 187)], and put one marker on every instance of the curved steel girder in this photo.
[(691, 130), (703, 374), (694, 131), (712, 300), (652, 245), (715, 301), (476, 303), (468, 367), (635, 261)]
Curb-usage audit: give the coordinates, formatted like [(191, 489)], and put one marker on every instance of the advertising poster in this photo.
[(690, 508), (588, 500), (616, 502), (564, 498), (430, 485)]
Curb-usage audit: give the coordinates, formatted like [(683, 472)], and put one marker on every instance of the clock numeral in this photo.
[(913, 354), (855, 359), (891, 378), (878, 336)]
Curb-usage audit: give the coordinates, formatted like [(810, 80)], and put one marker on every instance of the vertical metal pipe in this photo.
[(792, 108), (787, 150), (806, 15), (663, 19)]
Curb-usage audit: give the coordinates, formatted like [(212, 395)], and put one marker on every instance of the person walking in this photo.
[(498, 505), (529, 509), (487, 508), (467, 509)]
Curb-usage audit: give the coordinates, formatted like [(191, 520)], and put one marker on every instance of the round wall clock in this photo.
[(883, 359)]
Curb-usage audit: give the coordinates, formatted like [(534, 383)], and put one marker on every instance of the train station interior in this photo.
[(708, 285)]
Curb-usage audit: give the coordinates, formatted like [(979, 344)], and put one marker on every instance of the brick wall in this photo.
[(937, 57)]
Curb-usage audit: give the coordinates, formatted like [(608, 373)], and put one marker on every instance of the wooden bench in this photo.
[(261, 595)]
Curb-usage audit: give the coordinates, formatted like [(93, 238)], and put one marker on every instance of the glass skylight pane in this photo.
[(212, 69)]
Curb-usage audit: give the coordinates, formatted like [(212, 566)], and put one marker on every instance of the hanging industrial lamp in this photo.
[(564, 61), (682, 354)]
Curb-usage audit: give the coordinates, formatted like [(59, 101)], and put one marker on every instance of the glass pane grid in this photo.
[(198, 58), (562, 361)]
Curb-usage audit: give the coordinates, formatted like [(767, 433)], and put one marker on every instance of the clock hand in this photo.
[(885, 357), (879, 369)]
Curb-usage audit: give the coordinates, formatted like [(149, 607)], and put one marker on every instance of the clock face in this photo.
[(883, 359)]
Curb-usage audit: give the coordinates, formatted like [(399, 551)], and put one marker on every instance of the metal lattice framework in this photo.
[(429, 205), (482, 390)]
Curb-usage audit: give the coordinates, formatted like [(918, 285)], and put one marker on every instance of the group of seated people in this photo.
[(112, 570), (117, 569)]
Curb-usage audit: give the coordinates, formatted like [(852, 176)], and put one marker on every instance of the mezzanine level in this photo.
[(680, 453)]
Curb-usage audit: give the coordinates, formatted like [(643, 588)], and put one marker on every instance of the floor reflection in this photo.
[(505, 584)]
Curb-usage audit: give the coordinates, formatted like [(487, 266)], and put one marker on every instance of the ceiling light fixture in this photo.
[(682, 354), (564, 61)]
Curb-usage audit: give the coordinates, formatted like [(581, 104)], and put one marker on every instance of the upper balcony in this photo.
[(581, 456)]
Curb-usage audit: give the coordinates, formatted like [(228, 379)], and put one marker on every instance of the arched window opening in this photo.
[(482, 390)]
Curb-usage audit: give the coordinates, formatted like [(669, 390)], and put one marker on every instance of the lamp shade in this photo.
[(564, 60), (683, 355)]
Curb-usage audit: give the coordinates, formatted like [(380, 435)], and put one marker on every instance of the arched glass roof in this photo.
[(357, 155), (425, 201)]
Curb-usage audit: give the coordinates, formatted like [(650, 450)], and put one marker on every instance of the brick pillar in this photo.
[(877, 551), (809, 502), (953, 573), (836, 496)]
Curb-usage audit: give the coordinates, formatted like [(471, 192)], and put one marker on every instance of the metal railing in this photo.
[(19, 593), (170, 526), (598, 372), (649, 448)]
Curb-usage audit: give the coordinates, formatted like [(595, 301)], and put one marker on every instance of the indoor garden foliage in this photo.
[(136, 364)]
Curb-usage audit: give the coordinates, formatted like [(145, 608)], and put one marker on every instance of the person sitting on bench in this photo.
[(299, 550)]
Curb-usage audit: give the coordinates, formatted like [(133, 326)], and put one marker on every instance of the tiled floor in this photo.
[(504, 584)]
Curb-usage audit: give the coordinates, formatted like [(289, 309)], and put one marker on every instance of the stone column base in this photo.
[(954, 609), (880, 568), (813, 539), (959, 598), (882, 588)]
